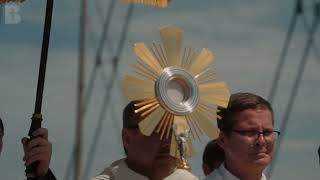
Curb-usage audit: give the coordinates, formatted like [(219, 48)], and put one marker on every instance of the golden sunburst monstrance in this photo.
[(157, 3), (7, 1), (174, 87)]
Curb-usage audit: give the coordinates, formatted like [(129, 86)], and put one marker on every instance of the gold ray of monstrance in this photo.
[(7, 1), (174, 87), (157, 3)]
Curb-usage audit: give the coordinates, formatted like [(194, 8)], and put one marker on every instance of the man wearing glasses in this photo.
[(247, 137)]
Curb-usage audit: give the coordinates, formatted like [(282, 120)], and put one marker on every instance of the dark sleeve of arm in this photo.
[(48, 176)]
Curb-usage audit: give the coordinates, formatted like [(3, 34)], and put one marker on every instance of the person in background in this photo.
[(212, 158)]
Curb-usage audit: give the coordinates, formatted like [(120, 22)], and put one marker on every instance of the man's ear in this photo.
[(222, 140)]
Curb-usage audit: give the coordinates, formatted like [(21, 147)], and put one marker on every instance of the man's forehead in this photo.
[(254, 117)]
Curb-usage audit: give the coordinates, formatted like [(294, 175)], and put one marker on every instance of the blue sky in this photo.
[(245, 36)]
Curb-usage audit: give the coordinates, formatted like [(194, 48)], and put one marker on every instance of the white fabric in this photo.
[(180, 174), (120, 171), (223, 174)]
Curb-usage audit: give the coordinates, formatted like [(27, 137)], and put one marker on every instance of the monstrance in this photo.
[(157, 3), (175, 87), (7, 1)]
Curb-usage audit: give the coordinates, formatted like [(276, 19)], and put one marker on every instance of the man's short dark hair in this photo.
[(239, 102), (130, 118), (212, 153)]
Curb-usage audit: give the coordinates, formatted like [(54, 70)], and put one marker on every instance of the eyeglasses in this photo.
[(267, 134)]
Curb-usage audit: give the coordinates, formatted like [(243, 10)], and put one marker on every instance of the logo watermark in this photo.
[(10, 13)]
